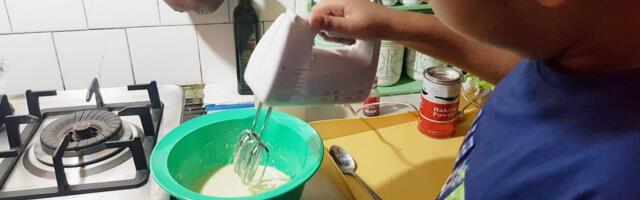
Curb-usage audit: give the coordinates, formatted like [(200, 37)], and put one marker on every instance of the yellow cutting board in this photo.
[(392, 156)]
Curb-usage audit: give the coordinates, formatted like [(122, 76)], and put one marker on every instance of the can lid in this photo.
[(443, 75)]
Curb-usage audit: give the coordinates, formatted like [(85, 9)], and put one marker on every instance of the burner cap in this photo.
[(88, 129)]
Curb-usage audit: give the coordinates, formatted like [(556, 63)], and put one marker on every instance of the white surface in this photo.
[(168, 16), (224, 93), (3, 78), (101, 54), (5, 26), (165, 54), (217, 52), (121, 13), (316, 113), (30, 62), (46, 15), (268, 10)]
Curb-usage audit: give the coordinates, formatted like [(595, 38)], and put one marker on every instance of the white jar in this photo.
[(389, 2), (410, 2), (390, 63), (416, 63)]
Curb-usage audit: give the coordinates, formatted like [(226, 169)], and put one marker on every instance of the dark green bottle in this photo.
[(247, 33)]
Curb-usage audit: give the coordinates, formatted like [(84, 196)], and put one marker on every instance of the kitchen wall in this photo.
[(63, 44)]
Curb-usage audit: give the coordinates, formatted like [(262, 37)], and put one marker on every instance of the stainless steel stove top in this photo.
[(31, 173)]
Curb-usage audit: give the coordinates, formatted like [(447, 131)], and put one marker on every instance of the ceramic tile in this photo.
[(165, 54), (46, 15), (217, 52), (122, 13), (5, 26), (101, 54), (30, 62)]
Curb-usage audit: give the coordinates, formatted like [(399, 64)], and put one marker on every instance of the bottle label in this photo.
[(373, 110)]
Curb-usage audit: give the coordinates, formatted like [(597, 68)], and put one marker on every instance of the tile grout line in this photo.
[(133, 73), (6, 8), (230, 12), (199, 55), (112, 28), (86, 18), (159, 15), (55, 50)]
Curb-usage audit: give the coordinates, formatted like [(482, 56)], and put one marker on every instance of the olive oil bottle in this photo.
[(247, 33)]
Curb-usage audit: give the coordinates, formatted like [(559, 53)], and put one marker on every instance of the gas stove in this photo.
[(85, 144)]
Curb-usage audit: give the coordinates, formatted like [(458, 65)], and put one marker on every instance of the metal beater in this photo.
[(249, 149)]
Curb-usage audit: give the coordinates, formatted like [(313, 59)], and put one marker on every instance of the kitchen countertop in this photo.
[(415, 166), (321, 186)]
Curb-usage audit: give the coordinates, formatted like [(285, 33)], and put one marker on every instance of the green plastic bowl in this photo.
[(197, 147)]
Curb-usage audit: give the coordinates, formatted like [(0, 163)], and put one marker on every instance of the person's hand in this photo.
[(360, 19), (196, 6)]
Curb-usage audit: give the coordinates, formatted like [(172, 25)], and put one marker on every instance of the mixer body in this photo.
[(287, 69)]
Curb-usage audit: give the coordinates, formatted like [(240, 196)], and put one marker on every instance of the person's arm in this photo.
[(424, 33)]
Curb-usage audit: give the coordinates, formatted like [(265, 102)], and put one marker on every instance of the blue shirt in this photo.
[(546, 134)]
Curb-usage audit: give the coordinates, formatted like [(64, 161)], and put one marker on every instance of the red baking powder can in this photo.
[(440, 99)]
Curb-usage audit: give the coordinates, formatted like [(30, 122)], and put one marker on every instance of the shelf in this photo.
[(426, 8)]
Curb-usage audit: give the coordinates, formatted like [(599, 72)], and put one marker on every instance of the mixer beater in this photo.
[(249, 150)]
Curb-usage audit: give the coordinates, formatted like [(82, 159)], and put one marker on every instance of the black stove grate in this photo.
[(5, 109), (149, 112)]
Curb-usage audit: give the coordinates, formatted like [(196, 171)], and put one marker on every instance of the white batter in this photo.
[(224, 182)]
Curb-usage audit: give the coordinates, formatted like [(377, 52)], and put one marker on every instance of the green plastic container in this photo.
[(197, 147)]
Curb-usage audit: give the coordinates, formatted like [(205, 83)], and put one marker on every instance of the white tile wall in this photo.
[(168, 16), (30, 62), (217, 52), (268, 10), (3, 78), (165, 54), (46, 15), (101, 54), (5, 27), (121, 13), (120, 41)]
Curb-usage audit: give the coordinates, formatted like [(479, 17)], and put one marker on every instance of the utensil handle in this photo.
[(372, 193)]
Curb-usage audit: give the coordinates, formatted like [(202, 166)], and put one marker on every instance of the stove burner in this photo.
[(83, 131), (89, 129)]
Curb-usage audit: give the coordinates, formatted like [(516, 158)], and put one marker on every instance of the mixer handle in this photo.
[(371, 48)]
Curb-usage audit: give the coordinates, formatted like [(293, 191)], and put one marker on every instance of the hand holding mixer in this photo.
[(287, 69)]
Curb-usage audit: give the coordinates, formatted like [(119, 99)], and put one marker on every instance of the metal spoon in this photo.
[(347, 165)]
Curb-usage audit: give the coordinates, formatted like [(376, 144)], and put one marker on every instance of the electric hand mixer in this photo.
[(287, 69)]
